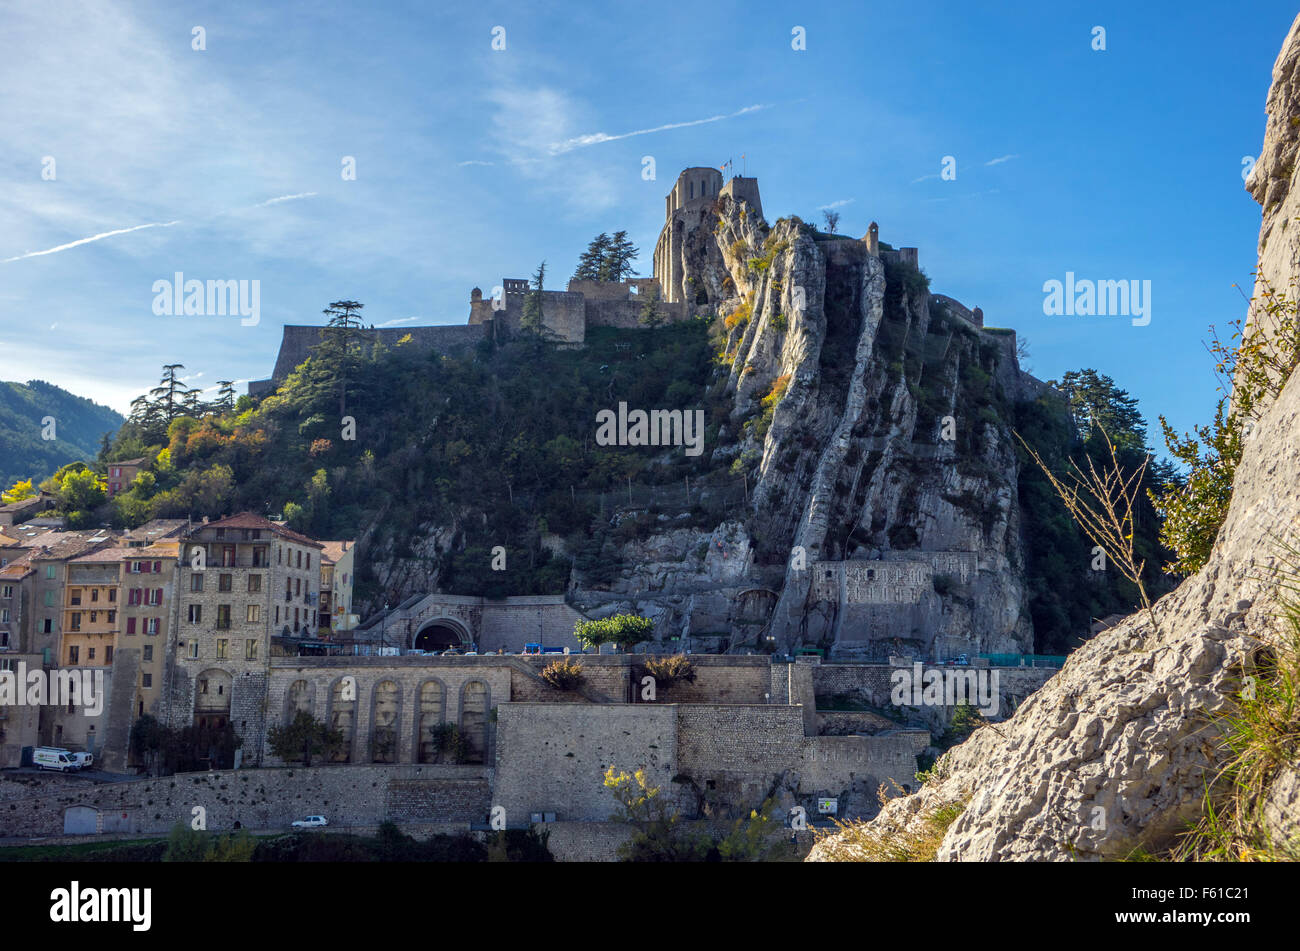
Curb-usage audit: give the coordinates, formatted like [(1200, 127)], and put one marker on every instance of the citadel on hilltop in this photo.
[(567, 314)]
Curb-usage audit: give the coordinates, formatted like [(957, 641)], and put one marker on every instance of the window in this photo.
[(279, 555), (146, 680), (228, 556), (196, 614), (133, 597), (94, 595), (74, 654), (90, 653), (49, 599), (148, 652), (254, 583), (254, 613), (8, 591), (49, 572), (130, 625), (151, 625), (277, 614), (223, 617), (156, 596), (112, 596), (250, 649), (108, 654), (94, 617), (47, 626), (4, 615), (76, 621), (194, 652), (112, 617), (309, 561), (221, 533), (299, 557), (223, 582), (134, 568), (297, 587), (222, 643), (157, 567), (74, 595)]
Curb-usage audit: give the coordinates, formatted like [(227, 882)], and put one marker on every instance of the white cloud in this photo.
[(94, 237), (1000, 159), (836, 204), (400, 320), (597, 138)]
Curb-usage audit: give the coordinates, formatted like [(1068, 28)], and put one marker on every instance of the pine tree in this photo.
[(593, 259), (531, 319), (651, 315), (617, 263), (340, 345), (169, 392), (226, 394)]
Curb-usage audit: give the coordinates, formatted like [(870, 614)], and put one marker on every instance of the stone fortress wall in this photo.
[(746, 730), (567, 314)]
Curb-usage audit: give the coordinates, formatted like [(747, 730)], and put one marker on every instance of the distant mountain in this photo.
[(78, 426)]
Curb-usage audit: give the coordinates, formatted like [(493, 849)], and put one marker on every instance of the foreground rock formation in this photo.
[(1115, 753)]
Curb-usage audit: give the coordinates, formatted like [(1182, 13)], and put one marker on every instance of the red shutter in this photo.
[(157, 596), (157, 567), (130, 625)]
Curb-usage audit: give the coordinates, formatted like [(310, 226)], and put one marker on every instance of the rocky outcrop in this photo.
[(1117, 750), (874, 425)]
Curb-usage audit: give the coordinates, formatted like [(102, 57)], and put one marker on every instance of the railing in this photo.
[(1025, 660)]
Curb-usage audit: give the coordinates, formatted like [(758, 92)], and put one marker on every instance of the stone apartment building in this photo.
[(337, 569), (242, 581), (122, 474)]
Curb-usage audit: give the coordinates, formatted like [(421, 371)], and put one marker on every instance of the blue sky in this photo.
[(474, 164)]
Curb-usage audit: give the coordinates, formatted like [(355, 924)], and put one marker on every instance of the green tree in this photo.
[(622, 629), (1096, 403), (226, 394), (617, 263), (169, 392), (22, 489), (592, 261), (1253, 366), (81, 491), (304, 738), (530, 321), (651, 314)]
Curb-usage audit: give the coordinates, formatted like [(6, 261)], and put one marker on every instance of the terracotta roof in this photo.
[(158, 528), (127, 462), (20, 567), (249, 520), (151, 551), (67, 545), (102, 555), (333, 551)]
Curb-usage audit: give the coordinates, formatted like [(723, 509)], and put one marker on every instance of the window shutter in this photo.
[(130, 625)]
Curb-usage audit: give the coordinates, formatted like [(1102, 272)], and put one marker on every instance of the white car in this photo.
[(311, 822)]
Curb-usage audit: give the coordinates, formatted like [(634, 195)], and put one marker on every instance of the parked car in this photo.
[(471, 653), (83, 760), (311, 822), (451, 652)]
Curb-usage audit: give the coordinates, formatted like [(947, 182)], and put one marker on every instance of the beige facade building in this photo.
[(242, 581)]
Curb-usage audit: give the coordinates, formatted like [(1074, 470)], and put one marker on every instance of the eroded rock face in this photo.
[(852, 463), (1116, 751)]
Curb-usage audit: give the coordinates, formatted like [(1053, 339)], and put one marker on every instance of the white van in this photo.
[(83, 760), (50, 757)]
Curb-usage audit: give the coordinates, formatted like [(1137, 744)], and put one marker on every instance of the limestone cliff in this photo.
[(1116, 751), (873, 425)]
